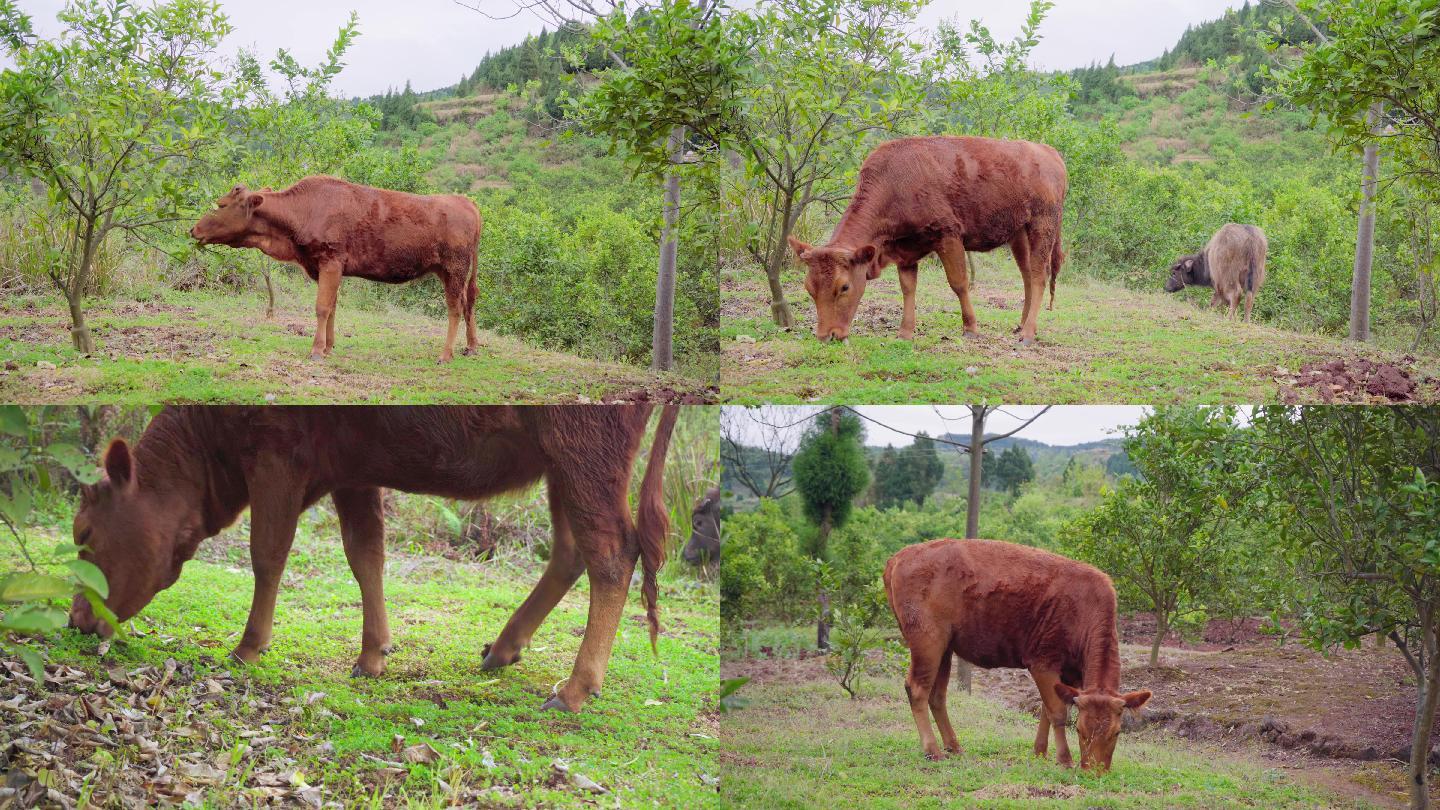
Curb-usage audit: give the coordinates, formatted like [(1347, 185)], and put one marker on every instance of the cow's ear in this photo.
[(119, 465), (1067, 693), (1135, 700), (799, 247), (253, 201), (864, 255), (1189, 263)]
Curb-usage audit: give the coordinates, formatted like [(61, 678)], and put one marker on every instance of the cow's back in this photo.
[(379, 233), (1235, 258), (1003, 605), (984, 189)]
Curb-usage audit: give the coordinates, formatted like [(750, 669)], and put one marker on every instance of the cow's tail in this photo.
[(889, 591), (653, 521), (1057, 258)]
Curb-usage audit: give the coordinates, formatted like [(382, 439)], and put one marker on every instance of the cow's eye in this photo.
[(844, 288)]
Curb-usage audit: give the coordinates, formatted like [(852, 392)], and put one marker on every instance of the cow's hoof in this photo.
[(907, 335), (556, 704), (387, 649), (1027, 341), (470, 351), (360, 671), (493, 661), (316, 357), (972, 335), (442, 361), (934, 756), (246, 655)]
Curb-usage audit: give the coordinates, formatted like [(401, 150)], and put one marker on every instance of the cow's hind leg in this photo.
[(362, 529), (326, 294), (472, 339), (1249, 304), (1035, 272), (561, 572), (330, 327), (1055, 711), (952, 255), (927, 649), (454, 303), (937, 705)]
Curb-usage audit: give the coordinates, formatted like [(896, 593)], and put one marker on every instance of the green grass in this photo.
[(799, 745), (649, 738), (1101, 344), (211, 347)]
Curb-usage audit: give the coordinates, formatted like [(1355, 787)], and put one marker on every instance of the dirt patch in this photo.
[(1139, 628), (1026, 792), (1359, 379), (666, 395)]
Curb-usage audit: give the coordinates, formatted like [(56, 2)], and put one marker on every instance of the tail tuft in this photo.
[(653, 521)]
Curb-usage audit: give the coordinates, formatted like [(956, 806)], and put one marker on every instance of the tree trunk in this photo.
[(1429, 695), (79, 332), (779, 307), (1162, 626), (822, 624), (977, 458), (1365, 237), (269, 297), (662, 350)]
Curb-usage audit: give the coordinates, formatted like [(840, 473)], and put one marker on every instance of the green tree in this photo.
[(1014, 469), (119, 115), (828, 76), (829, 473), (1354, 493), (1163, 537), (907, 475), (33, 455)]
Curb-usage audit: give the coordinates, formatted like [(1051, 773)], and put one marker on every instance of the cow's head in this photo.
[(134, 534), (835, 277), (704, 545), (231, 221), (1098, 722), (1185, 270)]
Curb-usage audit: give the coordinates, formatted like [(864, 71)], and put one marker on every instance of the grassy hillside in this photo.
[(203, 346), (1103, 343), (799, 743), (234, 736)]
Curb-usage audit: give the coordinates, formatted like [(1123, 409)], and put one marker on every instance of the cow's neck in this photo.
[(1102, 656), (175, 460), (858, 226)]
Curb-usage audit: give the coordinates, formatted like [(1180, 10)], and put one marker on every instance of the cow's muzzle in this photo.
[(83, 618)]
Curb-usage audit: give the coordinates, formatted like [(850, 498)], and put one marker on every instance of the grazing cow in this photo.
[(704, 546), (942, 195), (1232, 263), (196, 468), (333, 228), (999, 604)]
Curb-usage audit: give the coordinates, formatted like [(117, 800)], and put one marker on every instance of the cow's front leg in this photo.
[(362, 529), (908, 281), (272, 530), (1055, 711), (609, 565), (326, 294)]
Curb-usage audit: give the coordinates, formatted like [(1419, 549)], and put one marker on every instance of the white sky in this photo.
[(432, 42), (1062, 425)]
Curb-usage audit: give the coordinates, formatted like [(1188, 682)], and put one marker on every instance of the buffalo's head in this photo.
[(704, 545), (134, 534), (1098, 721), (835, 277), (1183, 272), (231, 221)]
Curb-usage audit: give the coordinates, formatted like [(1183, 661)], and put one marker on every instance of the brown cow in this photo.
[(1232, 263), (196, 468), (999, 604), (943, 195), (333, 228)]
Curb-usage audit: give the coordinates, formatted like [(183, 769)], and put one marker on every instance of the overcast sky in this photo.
[(1062, 425), (432, 42)]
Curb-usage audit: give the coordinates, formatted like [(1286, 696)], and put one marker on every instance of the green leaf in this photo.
[(34, 661), (33, 587), (13, 421), (34, 619), (90, 576), (97, 605)]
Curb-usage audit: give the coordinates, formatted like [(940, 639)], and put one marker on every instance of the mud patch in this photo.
[(1023, 792), (667, 396), (1358, 380)]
